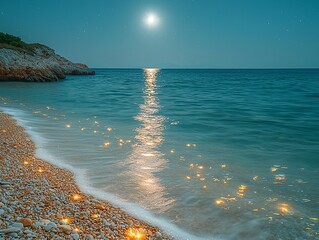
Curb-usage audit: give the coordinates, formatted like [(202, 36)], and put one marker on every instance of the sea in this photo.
[(200, 153)]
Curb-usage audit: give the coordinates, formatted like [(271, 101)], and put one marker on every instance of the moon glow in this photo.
[(151, 20)]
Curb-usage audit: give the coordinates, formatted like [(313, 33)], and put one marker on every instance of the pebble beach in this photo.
[(42, 201)]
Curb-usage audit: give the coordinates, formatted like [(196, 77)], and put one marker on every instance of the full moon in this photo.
[(151, 20)]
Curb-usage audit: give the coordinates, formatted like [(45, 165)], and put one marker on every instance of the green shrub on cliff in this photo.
[(13, 42)]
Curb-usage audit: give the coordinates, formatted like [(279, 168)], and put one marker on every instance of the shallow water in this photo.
[(219, 153)]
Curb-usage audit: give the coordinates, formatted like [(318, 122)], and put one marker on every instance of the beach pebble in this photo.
[(158, 235), (10, 230), (100, 207), (27, 222), (1, 211), (17, 225), (4, 183), (48, 227), (13, 234), (106, 223), (90, 237), (75, 236), (65, 228), (45, 221)]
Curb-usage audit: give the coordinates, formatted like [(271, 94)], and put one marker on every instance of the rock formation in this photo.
[(35, 63)]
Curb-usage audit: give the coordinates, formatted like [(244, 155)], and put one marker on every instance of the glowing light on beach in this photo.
[(223, 165), (136, 233), (109, 129), (201, 167), (40, 170), (188, 145), (25, 162), (82, 129), (106, 144), (188, 177), (65, 220), (172, 151), (68, 126), (4, 130), (76, 197), (148, 154), (95, 215), (76, 229)]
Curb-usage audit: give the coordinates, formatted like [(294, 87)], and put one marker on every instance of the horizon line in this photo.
[(191, 68)]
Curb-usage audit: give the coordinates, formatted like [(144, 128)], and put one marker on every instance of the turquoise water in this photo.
[(230, 154)]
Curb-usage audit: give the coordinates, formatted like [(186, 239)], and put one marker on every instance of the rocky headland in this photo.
[(35, 62)]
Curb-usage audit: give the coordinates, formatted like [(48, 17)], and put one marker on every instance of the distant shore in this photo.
[(39, 199)]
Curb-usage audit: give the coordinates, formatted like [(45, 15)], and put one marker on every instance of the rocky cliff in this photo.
[(35, 63)]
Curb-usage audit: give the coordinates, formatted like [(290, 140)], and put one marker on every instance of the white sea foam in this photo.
[(133, 209)]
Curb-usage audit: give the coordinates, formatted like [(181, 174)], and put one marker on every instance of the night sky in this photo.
[(188, 34)]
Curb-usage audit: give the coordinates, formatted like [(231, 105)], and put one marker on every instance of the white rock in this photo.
[(75, 236), (17, 225)]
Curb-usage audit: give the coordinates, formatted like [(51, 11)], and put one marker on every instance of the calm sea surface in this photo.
[(218, 153)]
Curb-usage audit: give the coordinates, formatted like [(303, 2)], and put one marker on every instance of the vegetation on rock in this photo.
[(15, 43)]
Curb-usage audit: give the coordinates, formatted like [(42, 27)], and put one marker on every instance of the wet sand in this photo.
[(42, 201)]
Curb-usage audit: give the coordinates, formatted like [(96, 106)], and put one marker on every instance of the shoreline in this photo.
[(46, 199)]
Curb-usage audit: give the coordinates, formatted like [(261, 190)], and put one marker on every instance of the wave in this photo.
[(133, 209)]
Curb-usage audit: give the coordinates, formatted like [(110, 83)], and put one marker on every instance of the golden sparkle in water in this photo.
[(223, 165), (106, 144), (109, 129), (241, 190), (135, 233), (285, 208), (68, 125), (219, 202), (280, 177)]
